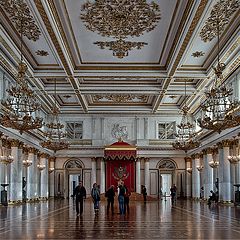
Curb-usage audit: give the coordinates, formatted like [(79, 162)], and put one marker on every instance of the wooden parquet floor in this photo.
[(56, 219)]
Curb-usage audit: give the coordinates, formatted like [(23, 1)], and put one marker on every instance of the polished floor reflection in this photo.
[(153, 220)]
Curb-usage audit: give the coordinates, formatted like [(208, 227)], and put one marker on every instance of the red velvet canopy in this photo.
[(120, 165), (120, 151)]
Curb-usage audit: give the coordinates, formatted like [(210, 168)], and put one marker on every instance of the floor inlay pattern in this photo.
[(153, 220)]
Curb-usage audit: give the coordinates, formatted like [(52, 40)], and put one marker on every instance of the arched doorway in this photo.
[(73, 174), (166, 175)]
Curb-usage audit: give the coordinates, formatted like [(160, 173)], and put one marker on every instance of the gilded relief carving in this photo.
[(120, 98), (120, 19), (21, 16), (219, 18)]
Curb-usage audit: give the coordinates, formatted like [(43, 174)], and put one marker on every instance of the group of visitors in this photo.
[(123, 198)]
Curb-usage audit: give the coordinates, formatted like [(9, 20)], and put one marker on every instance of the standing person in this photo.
[(95, 193), (121, 193), (144, 192), (80, 193), (173, 193), (212, 197), (110, 194), (126, 200)]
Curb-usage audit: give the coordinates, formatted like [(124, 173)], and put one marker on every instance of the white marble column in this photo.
[(225, 184), (32, 176), (15, 187), (147, 175), (44, 176), (103, 176), (238, 164), (2, 176), (51, 182), (138, 175), (210, 180), (196, 177), (188, 176), (94, 171), (207, 172)]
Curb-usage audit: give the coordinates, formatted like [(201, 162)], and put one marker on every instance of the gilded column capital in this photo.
[(21, 145), (226, 143), (219, 145), (52, 159), (188, 159), (42, 155), (204, 151), (196, 156), (25, 149), (209, 150), (15, 143), (32, 150)]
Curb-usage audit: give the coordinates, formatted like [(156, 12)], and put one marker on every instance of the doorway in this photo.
[(73, 182), (166, 183)]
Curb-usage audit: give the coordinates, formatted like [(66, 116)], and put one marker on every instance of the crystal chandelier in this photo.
[(186, 135), (213, 164), (41, 167), (234, 158), (21, 104), (55, 135), (5, 156), (219, 111)]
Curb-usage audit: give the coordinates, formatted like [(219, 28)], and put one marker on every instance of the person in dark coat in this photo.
[(80, 193), (110, 194), (144, 193), (126, 200)]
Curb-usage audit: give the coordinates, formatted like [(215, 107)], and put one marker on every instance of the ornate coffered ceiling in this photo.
[(126, 58)]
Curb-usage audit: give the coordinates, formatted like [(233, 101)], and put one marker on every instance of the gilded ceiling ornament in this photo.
[(198, 54), (19, 14), (42, 53), (120, 19), (219, 17), (120, 47), (120, 98)]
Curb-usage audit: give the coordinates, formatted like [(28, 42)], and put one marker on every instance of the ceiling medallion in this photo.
[(198, 54), (120, 47), (42, 53), (120, 19), (220, 14), (19, 14)]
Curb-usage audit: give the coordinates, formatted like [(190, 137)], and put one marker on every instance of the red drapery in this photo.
[(120, 164)]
